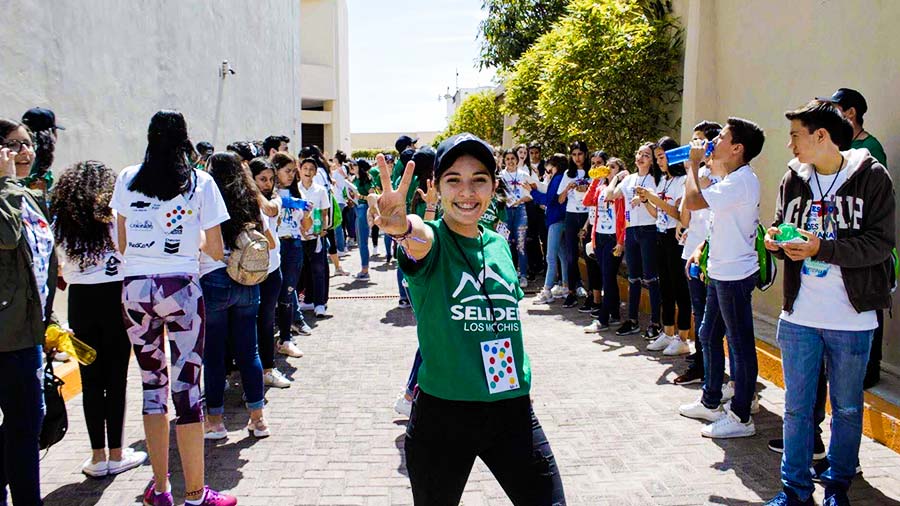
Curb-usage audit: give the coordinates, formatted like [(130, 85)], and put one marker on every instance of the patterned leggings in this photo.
[(173, 302)]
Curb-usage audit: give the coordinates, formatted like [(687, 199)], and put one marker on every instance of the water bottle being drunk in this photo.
[(682, 153)]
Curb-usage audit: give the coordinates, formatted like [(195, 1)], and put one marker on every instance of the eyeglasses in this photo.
[(17, 145)]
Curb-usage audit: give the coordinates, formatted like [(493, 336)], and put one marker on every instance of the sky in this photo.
[(403, 55)]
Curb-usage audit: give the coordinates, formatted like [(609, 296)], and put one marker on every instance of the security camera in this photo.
[(226, 69)]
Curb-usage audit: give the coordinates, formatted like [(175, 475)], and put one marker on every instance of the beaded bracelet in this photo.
[(407, 235)]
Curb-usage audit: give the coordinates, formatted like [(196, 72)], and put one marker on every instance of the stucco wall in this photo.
[(758, 59), (106, 66)]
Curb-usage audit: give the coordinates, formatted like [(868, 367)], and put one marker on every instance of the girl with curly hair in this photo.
[(232, 307), (91, 267)]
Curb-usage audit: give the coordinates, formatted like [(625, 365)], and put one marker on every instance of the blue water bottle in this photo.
[(682, 153), (695, 271)]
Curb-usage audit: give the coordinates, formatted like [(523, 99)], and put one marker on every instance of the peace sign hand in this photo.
[(431, 197), (7, 163), (390, 209)]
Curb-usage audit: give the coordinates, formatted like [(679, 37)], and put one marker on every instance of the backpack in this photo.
[(56, 420), (337, 218), (768, 269), (249, 261)]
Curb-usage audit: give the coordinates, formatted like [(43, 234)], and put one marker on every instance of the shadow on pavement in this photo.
[(89, 491)]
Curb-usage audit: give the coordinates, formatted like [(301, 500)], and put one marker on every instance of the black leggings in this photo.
[(332, 242), (95, 317), (444, 437), (574, 222), (595, 278), (314, 276), (673, 285)]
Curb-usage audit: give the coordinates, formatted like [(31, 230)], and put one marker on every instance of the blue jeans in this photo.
[(401, 285), (362, 234), (388, 245), (573, 223), (697, 289), (846, 354), (414, 373), (609, 273), (231, 310), (22, 402), (265, 319), (339, 232), (729, 311), (556, 251), (641, 257), (517, 223), (291, 264)]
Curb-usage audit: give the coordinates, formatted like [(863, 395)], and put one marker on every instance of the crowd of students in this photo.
[(222, 252)]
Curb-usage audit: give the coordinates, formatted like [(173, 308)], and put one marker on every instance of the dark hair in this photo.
[(239, 193), (80, 205), (600, 154), (527, 158), (747, 134), (44, 149), (534, 145), (308, 160), (560, 161), (573, 167), (510, 151), (655, 171), (7, 126), (424, 159), (666, 143), (205, 150), (166, 170), (615, 161), (340, 156), (244, 149), (315, 153), (260, 164), (819, 114), (710, 129), (274, 142)]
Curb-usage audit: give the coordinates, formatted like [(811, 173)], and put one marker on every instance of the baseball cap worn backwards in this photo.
[(38, 119), (847, 98), (463, 144), (403, 142)]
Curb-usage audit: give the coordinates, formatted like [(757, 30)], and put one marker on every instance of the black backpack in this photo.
[(56, 421)]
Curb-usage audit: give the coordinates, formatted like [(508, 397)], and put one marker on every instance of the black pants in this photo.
[(444, 437), (574, 222), (536, 239), (349, 224), (95, 317), (673, 285), (314, 276), (595, 278)]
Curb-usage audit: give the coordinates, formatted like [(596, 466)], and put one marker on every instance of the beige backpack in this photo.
[(249, 261)]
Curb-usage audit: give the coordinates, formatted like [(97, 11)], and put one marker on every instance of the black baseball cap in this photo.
[(403, 142), (463, 144), (847, 98), (407, 155), (38, 118)]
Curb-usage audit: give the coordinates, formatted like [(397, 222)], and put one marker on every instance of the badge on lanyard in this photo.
[(499, 366)]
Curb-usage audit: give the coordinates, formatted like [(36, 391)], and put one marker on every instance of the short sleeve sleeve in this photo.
[(324, 199), (212, 206), (562, 184), (117, 202), (727, 194)]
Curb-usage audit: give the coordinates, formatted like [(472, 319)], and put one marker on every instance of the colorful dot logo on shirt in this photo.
[(493, 360)]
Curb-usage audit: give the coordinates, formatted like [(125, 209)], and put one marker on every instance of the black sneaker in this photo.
[(615, 320), (587, 307), (819, 453), (691, 376), (571, 300), (819, 468), (836, 496), (628, 328), (787, 498), (652, 332), (595, 313)]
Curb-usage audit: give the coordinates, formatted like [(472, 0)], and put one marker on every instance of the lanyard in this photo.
[(475, 276), (825, 202)]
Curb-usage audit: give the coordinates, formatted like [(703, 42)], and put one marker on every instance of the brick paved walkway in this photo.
[(608, 407)]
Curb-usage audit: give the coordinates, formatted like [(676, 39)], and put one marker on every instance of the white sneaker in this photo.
[(304, 329), (581, 292), (345, 253), (320, 311), (130, 460), (523, 282), (677, 347), (545, 297), (727, 392), (304, 306), (290, 349), (754, 405), (559, 292), (661, 342), (729, 427), (215, 433), (698, 411), (403, 405), (595, 327), (274, 378), (98, 470)]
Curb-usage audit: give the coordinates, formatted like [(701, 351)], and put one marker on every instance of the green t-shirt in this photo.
[(375, 172), (363, 189), (493, 215), (455, 322), (874, 147)]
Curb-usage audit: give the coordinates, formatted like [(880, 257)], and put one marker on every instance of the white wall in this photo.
[(106, 66)]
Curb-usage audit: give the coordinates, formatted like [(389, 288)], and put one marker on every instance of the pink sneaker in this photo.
[(213, 498), (151, 498)]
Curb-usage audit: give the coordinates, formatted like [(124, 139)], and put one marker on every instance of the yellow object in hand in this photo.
[(599, 172), (65, 340)]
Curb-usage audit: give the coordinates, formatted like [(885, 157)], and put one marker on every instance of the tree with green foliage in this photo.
[(512, 26), (608, 73), (478, 114)]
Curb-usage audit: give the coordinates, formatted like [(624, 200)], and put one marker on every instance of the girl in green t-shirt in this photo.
[(475, 377)]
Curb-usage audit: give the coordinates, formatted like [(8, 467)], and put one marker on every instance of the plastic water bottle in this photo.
[(695, 271), (682, 153)]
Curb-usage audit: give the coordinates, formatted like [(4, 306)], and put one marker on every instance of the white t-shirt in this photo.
[(39, 235), (271, 223), (734, 206), (698, 228), (671, 190), (606, 214), (339, 187), (574, 199), (207, 264), (516, 183), (107, 270), (289, 226), (166, 236), (636, 216), (320, 200), (822, 301)]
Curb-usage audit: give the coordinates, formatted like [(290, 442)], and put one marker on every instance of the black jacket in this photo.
[(865, 234)]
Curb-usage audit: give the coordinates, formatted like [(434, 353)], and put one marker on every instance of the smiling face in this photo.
[(286, 175), (522, 151), (24, 147), (511, 162), (307, 173), (466, 189)]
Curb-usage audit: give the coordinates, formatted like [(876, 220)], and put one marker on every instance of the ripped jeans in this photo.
[(641, 258), (517, 223), (291, 263)]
